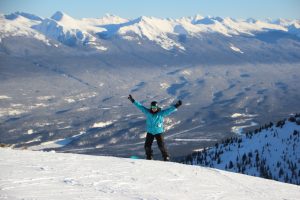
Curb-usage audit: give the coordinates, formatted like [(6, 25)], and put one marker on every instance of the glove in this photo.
[(179, 103), (130, 98)]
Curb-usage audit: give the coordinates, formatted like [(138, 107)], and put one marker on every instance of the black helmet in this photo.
[(154, 104)]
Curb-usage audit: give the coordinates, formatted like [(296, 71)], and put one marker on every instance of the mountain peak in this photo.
[(143, 18), (109, 15), (108, 19), (150, 20), (15, 15), (251, 20), (59, 16), (206, 20), (196, 18), (219, 19)]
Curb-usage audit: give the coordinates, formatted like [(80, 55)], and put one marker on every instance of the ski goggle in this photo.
[(154, 107)]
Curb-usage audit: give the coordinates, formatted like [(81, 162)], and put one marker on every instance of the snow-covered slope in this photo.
[(19, 25), (271, 151), (67, 30), (40, 175)]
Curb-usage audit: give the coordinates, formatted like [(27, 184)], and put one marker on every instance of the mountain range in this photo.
[(209, 40)]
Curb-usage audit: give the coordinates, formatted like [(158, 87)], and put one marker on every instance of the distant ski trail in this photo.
[(184, 131), (58, 71)]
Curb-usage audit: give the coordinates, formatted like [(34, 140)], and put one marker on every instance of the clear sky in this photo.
[(258, 9)]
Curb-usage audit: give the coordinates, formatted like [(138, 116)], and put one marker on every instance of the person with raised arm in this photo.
[(155, 126)]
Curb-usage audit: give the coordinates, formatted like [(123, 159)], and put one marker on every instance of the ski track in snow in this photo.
[(184, 131), (45, 175), (68, 75)]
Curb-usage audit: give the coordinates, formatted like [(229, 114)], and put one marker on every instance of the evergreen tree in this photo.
[(231, 165), (244, 158), (257, 157)]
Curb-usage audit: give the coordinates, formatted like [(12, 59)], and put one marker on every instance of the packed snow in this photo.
[(48, 175)]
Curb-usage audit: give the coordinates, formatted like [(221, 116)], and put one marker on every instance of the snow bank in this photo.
[(10, 112), (40, 175), (234, 48), (4, 97), (101, 124), (45, 98), (237, 115), (239, 129)]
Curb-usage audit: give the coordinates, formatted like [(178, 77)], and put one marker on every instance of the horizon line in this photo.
[(116, 15)]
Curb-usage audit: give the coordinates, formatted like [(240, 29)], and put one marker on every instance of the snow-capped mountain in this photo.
[(15, 15), (271, 152), (294, 29), (67, 30), (48, 175), (198, 36)]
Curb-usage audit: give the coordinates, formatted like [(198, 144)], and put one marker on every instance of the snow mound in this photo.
[(102, 124), (4, 97), (236, 49), (237, 115), (71, 176)]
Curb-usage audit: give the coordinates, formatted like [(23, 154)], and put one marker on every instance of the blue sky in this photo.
[(259, 9)]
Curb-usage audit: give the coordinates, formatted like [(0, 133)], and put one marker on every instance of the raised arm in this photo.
[(171, 109), (138, 105)]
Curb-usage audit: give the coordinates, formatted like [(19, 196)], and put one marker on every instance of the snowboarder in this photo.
[(155, 129)]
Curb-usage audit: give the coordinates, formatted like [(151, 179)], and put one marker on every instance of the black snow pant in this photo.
[(161, 145)]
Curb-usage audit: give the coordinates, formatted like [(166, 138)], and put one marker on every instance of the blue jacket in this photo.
[(155, 121)]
